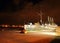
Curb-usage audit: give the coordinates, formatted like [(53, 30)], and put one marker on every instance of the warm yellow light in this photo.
[(49, 33), (43, 33)]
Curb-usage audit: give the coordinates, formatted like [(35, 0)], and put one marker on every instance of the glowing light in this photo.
[(43, 33), (49, 33)]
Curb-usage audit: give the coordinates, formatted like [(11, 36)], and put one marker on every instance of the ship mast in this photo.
[(40, 15)]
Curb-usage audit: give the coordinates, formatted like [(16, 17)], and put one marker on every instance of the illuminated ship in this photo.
[(39, 26)]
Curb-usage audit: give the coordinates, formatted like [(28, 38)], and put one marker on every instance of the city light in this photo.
[(46, 28)]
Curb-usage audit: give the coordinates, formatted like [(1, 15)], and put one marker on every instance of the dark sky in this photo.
[(14, 5), (22, 11)]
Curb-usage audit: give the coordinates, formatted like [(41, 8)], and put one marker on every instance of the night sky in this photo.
[(25, 11)]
